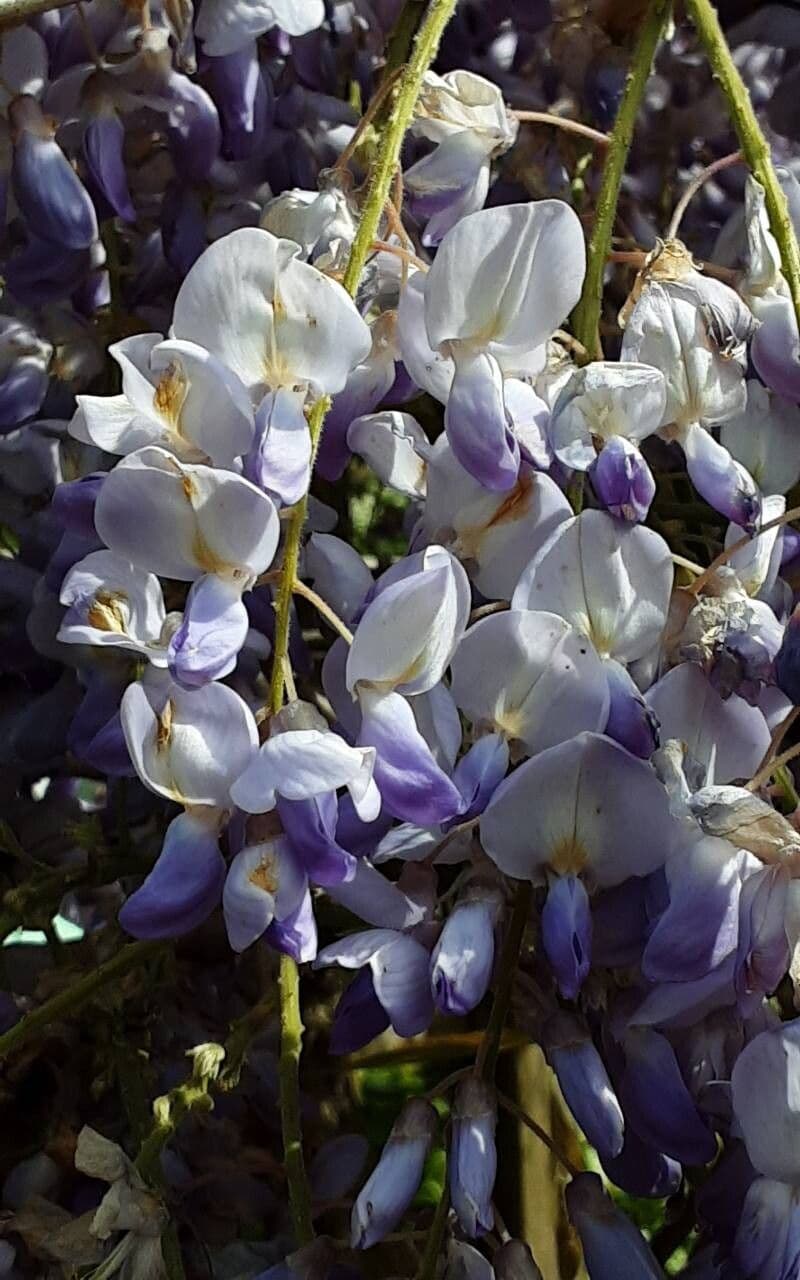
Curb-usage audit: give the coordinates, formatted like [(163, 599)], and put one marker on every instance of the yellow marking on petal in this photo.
[(265, 875), (106, 612), (164, 729), (170, 395), (569, 857)]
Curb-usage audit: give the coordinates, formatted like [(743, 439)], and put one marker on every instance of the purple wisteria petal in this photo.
[(478, 425), (214, 627), (613, 1248), (412, 785), (567, 933), (472, 1166), (657, 1102), (184, 886), (279, 461), (622, 481), (584, 1082), (46, 187)]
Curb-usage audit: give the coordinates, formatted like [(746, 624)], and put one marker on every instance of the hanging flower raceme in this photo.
[(502, 282)]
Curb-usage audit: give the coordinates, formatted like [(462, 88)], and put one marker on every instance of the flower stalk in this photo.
[(755, 147), (587, 313)]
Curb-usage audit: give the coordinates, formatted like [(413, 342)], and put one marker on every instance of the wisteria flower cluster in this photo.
[(520, 777)]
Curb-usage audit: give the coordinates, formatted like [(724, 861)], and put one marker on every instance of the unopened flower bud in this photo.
[(473, 1155), (584, 1082), (393, 1183), (514, 1261), (462, 960)]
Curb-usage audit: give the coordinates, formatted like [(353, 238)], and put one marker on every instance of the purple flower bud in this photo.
[(183, 227), (622, 480), (567, 933), (49, 192), (641, 1171), (630, 722), (657, 1102), (478, 425), (584, 1082), (613, 1248), (103, 143), (43, 272), (767, 1242), (473, 1156), (514, 1261), (462, 960), (393, 1183), (465, 1262)]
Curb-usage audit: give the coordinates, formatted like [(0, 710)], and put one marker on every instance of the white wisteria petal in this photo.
[(188, 745), (432, 371), (181, 521), (225, 26), (265, 881), (603, 400), (216, 413), (493, 535), (459, 101), (758, 562), (409, 631), (302, 763), (394, 445), (667, 329), (504, 279), (109, 602), (272, 319), (531, 677), (611, 581), (765, 438), (586, 806), (731, 735), (766, 1103)]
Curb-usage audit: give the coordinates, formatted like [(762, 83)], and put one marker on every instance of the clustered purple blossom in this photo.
[(542, 691)]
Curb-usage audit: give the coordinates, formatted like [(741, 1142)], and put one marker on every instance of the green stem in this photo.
[(67, 1002), (587, 313), (379, 184), (289, 1074), (387, 157), (192, 1095), (751, 139), (402, 35), (433, 1246), (490, 1045)]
